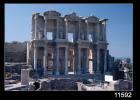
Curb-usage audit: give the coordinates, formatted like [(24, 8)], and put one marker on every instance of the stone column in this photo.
[(45, 29), (87, 30), (79, 60), (35, 57), (75, 60), (35, 29), (36, 16), (87, 61), (66, 60), (105, 61), (33, 26), (97, 32), (57, 61), (54, 61), (79, 30), (57, 29), (98, 60), (104, 26), (28, 51), (94, 60), (45, 60), (66, 28)]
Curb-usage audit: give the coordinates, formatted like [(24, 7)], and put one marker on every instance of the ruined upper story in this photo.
[(52, 26)]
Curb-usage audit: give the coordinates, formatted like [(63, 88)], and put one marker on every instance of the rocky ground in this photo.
[(74, 84)]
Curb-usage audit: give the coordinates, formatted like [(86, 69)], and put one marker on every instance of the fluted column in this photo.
[(57, 61), (35, 57), (45, 60), (79, 60), (66, 60)]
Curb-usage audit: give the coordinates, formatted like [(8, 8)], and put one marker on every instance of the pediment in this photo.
[(93, 19), (72, 16), (52, 14)]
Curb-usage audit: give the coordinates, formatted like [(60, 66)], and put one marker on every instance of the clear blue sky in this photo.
[(119, 26)]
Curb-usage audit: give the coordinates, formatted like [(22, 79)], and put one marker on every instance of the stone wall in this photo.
[(123, 85), (59, 84)]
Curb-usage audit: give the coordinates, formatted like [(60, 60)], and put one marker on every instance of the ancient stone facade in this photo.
[(69, 44)]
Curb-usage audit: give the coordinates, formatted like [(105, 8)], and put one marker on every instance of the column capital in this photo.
[(45, 18), (86, 21), (65, 19), (36, 15)]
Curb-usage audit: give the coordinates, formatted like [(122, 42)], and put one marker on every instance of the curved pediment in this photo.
[(52, 14), (92, 19)]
